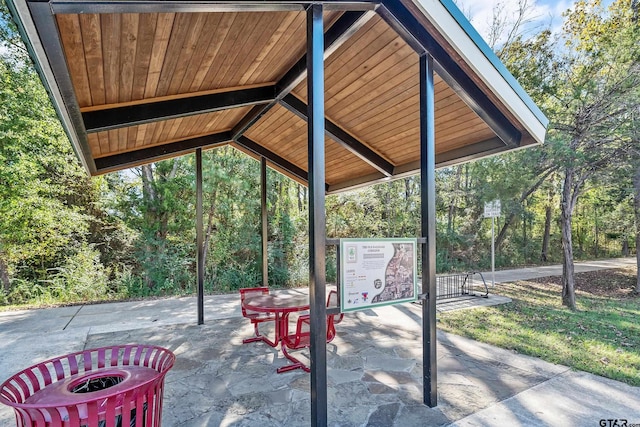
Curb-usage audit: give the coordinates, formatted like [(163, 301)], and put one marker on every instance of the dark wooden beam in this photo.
[(414, 33), (159, 152), (282, 163), (342, 137), (250, 119), (130, 115), (340, 31)]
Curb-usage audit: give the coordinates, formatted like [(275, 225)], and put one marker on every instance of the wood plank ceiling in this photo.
[(138, 60)]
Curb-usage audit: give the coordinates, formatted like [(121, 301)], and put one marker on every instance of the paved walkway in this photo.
[(503, 276), (374, 368)]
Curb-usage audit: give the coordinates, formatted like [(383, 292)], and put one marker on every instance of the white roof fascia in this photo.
[(477, 54)]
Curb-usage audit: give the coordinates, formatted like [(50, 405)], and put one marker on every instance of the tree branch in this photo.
[(523, 197)]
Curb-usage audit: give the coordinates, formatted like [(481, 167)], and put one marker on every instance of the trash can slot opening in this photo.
[(97, 382)]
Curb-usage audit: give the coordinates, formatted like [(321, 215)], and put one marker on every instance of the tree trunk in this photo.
[(407, 191), (210, 218), (387, 211), (544, 256), (148, 192), (567, 206), (454, 200), (525, 243), (597, 232), (4, 276), (302, 197), (636, 208), (148, 199), (155, 214), (163, 217)]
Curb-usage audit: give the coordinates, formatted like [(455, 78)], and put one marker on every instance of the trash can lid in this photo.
[(85, 387)]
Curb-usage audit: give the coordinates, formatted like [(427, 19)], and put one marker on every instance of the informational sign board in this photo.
[(377, 272), (492, 209)]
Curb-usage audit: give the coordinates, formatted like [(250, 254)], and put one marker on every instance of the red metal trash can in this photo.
[(118, 386)]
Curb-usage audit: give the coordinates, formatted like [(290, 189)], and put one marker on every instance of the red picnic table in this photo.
[(282, 306)]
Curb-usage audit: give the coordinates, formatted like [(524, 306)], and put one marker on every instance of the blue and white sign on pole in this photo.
[(492, 210)]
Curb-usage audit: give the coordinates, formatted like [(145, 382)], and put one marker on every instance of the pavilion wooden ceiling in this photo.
[(150, 85)]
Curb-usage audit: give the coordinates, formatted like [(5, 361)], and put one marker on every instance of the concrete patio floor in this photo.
[(374, 369)]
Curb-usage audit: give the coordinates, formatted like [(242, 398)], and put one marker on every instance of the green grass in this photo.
[(601, 337)]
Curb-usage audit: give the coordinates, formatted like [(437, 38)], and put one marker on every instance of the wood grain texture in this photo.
[(126, 57), (111, 25), (371, 83), (285, 134), (74, 48), (161, 37), (142, 64), (131, 138), (92, 44)]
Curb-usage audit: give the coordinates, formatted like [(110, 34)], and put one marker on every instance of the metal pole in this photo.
[(265, 222), (199, 237), (493, 252), (317, 225), (428, 222)]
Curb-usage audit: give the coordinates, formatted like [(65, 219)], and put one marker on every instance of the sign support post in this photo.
[(492, 210), (493, 252)]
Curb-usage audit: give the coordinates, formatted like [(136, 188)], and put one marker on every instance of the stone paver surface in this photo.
[(374, 369)]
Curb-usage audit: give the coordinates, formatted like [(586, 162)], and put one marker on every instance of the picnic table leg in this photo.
[(258, 336), (273, 343), (261, 337), (296, 363), (284, 331)]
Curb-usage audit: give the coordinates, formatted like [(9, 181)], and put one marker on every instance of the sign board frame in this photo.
[(492, 209), (377, 272)]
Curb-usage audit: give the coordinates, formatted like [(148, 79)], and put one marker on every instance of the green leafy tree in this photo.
[(48, 205), (162, 211), (599, 69), (40, 181), (232, 218)]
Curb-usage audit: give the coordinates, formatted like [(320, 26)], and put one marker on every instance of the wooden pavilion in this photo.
[(336, 94)]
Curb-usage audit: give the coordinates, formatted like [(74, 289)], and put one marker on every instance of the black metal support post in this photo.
[(199, 236), (428, 222), (265, 221), (317, 225)]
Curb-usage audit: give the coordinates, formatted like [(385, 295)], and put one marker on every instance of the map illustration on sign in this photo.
[(377, 272)]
